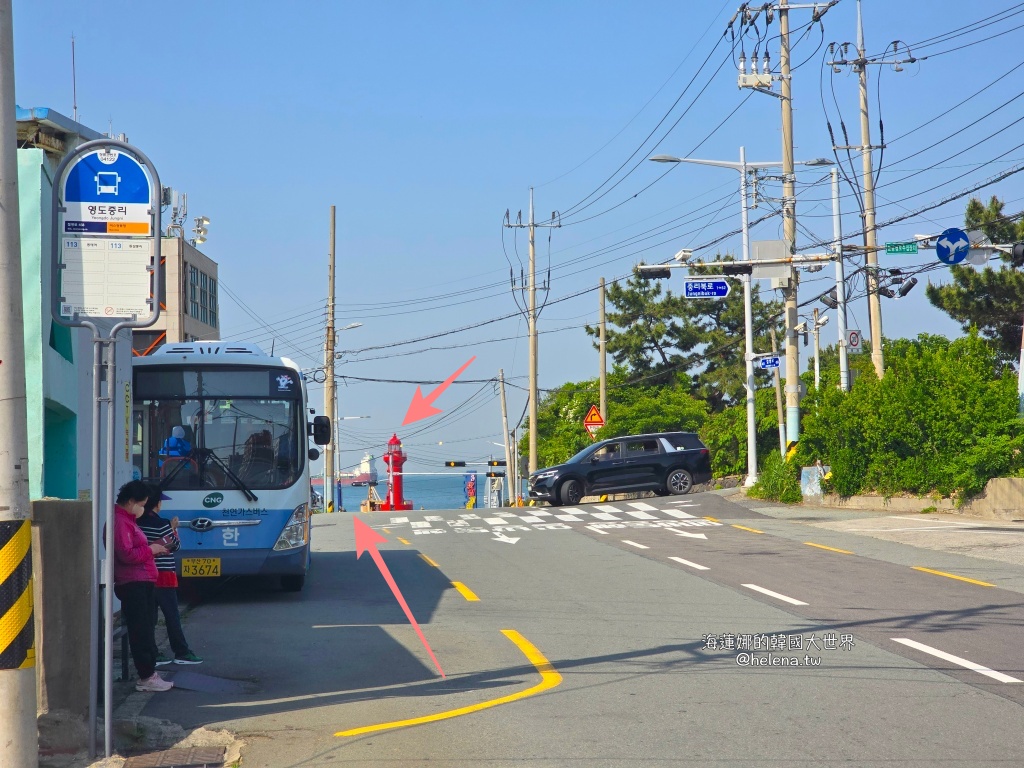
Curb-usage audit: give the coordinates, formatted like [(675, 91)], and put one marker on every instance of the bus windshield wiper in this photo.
[(207, 454)]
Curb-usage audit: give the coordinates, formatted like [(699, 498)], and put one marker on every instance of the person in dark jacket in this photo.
[(135, 578), (159, 530)]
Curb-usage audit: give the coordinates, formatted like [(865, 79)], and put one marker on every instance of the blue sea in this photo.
[(425, 492)]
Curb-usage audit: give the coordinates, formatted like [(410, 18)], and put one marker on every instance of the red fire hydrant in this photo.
[(395, 457)]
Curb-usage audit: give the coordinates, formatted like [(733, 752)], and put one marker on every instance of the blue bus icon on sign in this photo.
[(106, 183)]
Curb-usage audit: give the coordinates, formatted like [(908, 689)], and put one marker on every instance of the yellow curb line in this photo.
[(744, 528), (953, 576), (549, 679), (431, 562), (466, 592), (830, 549)]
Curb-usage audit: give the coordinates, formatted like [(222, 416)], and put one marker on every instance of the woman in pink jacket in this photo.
[(135, 583)]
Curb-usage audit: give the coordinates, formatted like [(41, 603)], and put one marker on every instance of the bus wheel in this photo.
[(293, 582)]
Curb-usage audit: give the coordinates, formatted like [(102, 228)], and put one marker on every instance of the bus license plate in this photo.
[(200, 566)]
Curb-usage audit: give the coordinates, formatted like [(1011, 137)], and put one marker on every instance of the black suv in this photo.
[(666, 463)]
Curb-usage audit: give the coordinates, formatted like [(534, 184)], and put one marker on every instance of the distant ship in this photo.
[(364, 474)]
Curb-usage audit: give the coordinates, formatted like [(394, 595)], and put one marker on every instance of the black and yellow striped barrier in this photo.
[(17, 630)]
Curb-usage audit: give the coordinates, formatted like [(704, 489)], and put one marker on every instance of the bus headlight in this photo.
[(296, 532)]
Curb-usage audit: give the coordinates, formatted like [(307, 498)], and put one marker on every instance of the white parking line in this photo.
[(776, 595), (692, 565), (597, 530), (634, 544), (642, 506), (957, 660), (677, 514)]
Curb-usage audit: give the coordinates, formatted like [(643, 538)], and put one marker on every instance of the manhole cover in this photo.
[(193, 757)]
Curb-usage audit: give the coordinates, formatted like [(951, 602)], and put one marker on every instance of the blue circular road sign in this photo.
[(952, 246)]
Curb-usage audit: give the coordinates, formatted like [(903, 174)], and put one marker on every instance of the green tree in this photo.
[(991, 300), (656, 334)]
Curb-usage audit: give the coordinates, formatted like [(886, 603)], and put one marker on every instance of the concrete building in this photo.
[(189, 300)]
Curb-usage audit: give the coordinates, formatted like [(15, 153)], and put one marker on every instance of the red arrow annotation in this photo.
[(423, 407), (367, 539)]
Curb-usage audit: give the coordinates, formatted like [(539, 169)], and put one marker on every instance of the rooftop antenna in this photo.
[(74, 81)]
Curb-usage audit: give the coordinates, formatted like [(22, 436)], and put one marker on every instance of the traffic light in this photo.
[(495, 463), (1017, 255), (652, 271), (495, 474), (737, 269), (455, 463)]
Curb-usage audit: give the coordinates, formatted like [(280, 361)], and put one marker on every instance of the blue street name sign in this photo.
[(770, 362), (705, 287)]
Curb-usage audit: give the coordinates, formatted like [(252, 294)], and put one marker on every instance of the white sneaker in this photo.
[(154, 683)]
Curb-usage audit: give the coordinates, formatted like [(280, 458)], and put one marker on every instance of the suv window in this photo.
[(641, 447), (608, 452), (685, 441)]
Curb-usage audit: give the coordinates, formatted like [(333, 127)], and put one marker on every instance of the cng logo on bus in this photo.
[(212, 500)]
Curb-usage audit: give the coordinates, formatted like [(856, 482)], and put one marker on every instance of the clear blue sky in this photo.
[(424, 122)]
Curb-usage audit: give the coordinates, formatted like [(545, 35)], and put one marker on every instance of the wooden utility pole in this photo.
[(329, 390), (603, 353)]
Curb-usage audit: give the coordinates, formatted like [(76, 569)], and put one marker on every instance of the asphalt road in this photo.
[(683, 631)]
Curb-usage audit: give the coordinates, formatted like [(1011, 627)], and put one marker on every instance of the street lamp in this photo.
[(791, 351)]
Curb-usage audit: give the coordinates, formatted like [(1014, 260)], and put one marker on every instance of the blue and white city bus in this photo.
[(223, 429)]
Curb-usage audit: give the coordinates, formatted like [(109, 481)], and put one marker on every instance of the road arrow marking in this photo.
[(367, 539), (506, 539)]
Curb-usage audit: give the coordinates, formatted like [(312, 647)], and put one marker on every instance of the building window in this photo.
[(205, 317), (195, 309), (203, 278), (192, 292), (193, 274), (213, 318)]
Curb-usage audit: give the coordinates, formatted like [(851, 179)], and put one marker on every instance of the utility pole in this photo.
[(837, 236), (603, 353), (18, 733), (329, 390), (778, 400), (509, 471), (789, 232), (531, 321)]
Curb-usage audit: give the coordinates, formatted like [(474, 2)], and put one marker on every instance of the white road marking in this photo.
[(692, 565), (399, 520), (597, 530), (677, 514), (470, 517), (957, 660), (494, 520), (572, 511), (640, 515), (606, 508), (538, 513), (634, 544), (532, 519), (643, 506), (433, 518), (570, 518), (604, 515), (691, 535), (684, 503), (420, 524), (776, 595)]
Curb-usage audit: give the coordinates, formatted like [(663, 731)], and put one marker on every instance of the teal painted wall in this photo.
[(60, 430), (30, 193)]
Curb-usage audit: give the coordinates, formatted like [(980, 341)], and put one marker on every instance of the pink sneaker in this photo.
[(154, 683)]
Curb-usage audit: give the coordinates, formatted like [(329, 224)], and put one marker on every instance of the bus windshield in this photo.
[(218, 429)]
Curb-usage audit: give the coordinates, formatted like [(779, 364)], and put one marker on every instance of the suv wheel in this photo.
[(570, 492), (679, 482)]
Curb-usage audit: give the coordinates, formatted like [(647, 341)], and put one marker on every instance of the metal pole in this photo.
[(748, 322), (789, 232), (96, 494), (837, 236), (817, 352), (18, 733), (602, 353), (108, 562), (533, 343), (778, 400), (330, 404), (871, 254), (504, 431)]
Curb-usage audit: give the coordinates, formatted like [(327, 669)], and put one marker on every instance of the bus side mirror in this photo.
[(314, 454), (321, 430)]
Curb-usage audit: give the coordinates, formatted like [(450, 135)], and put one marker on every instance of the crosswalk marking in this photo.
[(399, 520), (642, 506), (420, 524), (604, 515), (532, 519), (677, 514), (494, 520), (570, 518), (639, 515), (607, 508)]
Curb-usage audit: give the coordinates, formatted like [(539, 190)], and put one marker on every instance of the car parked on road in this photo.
[(666, 463)]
